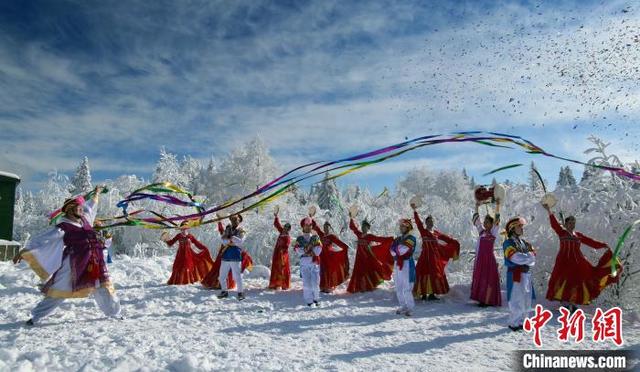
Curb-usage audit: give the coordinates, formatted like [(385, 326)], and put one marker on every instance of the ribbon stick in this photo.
[(501, 169), (544, 187), (616, 252)]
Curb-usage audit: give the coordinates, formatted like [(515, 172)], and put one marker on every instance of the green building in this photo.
[(8, 183)]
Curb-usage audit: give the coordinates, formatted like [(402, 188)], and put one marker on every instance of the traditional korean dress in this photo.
[(430, 270), (280, 267), (309, 248), (69, 258), (519, 257), (212, 280), (485, 285), (373, 264), (574, 279), (192, 262), (334, 260), (404, 271)]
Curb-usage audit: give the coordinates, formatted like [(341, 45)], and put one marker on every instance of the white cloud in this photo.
[(307, 84)]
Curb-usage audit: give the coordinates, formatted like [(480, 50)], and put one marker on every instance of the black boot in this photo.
[(432, 297), (29, 323), (316, 303), (515, 329), (481, 304), (223, 294), (240, 296)]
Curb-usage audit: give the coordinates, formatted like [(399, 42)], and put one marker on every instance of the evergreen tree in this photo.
[(587, 175), (534, 181), (328, 196), (570, 179), (81, 182), (562, 178)]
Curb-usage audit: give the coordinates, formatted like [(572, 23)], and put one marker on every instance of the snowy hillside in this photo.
[(185, 328)]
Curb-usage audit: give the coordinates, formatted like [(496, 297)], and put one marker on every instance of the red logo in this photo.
[(572, 325), (537, 322), (606, 325)]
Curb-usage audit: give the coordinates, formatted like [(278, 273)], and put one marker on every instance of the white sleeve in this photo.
[(478, 225), (237, 241), (44, 252), (520, 258), (495, 230), (402, 249), (90, 210), (317, 250)]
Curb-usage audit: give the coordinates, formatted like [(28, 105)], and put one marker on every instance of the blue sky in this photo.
[(116, 81)]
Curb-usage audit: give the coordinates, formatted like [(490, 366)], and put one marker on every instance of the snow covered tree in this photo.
[(245, 169), (571, 180), (81, 182), (327, 194), (565, 178), (191, 170), (534, 181), (168, 169)]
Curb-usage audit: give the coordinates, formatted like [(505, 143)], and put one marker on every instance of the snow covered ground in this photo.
[(186, 328)]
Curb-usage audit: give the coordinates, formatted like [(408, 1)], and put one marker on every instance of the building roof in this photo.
[(9, 175)]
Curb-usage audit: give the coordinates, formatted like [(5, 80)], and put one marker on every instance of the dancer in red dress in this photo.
[(334, 260), (280, 268), (211, 281), (192, 262), (574, 280), (430, 276), (374, 263)]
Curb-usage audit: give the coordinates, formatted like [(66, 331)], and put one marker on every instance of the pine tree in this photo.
[(81, 182), (534, 181), (570, 179), (562, 178), (328, 196), (587, 175)]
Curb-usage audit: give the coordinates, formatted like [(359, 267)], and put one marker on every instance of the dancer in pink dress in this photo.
[(485, 286)]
